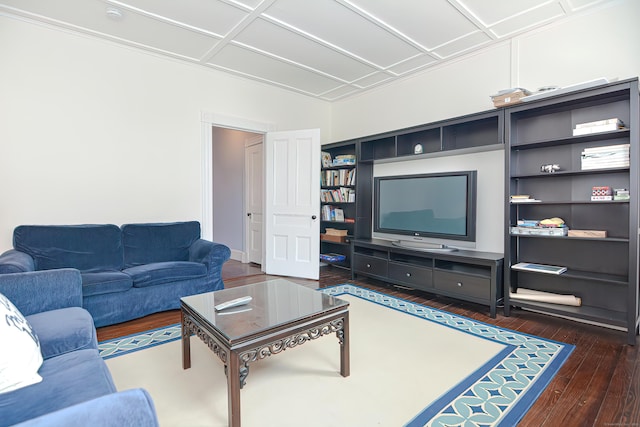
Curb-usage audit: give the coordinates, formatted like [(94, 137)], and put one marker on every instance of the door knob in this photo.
[(249, 214), (313, 217)]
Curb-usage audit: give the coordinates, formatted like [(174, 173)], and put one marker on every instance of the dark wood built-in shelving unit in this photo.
[(469, 275), (602, 272)]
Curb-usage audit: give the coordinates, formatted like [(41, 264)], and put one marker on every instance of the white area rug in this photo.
[(410, 365)]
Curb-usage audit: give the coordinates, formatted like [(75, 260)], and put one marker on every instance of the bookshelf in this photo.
[(338, 197), (600, 248)]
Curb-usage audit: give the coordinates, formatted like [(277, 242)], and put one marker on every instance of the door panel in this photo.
[(254, 189), (292, 203)]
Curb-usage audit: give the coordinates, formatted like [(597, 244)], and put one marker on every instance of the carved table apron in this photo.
[(236, 356)]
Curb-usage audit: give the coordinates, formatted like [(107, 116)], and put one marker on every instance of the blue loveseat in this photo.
[(127, 272), (76, 387)]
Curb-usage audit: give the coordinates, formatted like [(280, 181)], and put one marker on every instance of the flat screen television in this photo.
[(435, 205)]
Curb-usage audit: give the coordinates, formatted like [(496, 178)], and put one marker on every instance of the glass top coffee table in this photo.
[(281, 315)]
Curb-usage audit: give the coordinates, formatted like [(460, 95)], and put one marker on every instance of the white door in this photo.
[(254, 186), (292, 203)]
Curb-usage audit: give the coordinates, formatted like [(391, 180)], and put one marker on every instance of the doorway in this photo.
[(232, 193), (304, 186)]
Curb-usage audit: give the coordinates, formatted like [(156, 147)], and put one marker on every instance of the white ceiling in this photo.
[(329, 49)]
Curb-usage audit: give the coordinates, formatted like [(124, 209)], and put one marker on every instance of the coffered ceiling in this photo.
[(329, 49)]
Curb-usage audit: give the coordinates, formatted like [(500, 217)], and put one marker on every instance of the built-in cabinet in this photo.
[(343, 183), (471, 132), (467, 275), (545, 160)]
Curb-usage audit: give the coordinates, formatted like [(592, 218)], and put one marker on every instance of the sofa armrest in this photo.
[(211, 254), (38, 291), (13, 261), (126, 408)]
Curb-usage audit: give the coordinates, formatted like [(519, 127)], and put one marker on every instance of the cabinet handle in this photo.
[(408, 274), (368, 265), (459, 284)]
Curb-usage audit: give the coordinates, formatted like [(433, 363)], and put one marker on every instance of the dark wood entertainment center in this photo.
[(464, 274), (468, 275), (602, 271)]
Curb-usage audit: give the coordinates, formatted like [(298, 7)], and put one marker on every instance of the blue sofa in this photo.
[(127, 272), (76, 387)]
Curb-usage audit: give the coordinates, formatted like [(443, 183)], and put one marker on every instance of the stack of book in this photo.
[(523, 198), (338, 177), (610, 156), (342, 194), (598, 126), (344, 160), (332, 213)]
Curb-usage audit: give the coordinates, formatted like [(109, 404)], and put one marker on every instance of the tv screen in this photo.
[(439, 205)]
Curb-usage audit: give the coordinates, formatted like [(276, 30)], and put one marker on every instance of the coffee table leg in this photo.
[(186, 345), (233, 389), (345, 365)]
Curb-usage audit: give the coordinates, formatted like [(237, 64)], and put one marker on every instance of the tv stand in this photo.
[(468, 275), (424, 246)]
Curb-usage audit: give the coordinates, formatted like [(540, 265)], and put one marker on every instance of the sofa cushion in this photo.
[(132, 407), (20, 357), (165, 272), (85, 247), (148, 243), (105, 282), (66, 380), (13, 261), (63, 331)]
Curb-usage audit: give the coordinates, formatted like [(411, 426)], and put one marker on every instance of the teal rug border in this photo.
[(497, 394)]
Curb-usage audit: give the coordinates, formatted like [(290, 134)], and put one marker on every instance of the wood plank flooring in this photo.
[(599, 385)]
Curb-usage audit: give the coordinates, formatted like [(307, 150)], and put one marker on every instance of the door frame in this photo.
[(209, 120)]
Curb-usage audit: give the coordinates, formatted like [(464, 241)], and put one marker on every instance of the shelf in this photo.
[(471, 132), (583, 275), (337, 203), (594, 314), (596, 239), (333, 168), (336, 243), (602, 136), (572, 173), (571, 202)]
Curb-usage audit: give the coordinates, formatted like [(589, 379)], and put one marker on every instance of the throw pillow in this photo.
[(20, 357)]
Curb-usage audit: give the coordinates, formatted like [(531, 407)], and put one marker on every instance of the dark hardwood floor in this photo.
[(599, 385)]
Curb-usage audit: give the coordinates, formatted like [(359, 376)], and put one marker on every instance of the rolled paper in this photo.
[(548, 297)]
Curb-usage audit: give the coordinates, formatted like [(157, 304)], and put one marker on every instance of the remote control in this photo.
[(233, 303)]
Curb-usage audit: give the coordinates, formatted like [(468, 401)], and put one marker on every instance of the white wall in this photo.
[(93, 132), (602, 43)]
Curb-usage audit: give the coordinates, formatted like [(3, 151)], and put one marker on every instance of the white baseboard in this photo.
[(238, 255)]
